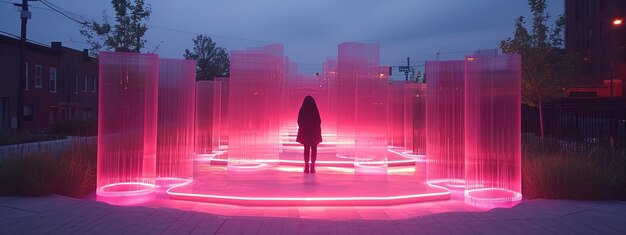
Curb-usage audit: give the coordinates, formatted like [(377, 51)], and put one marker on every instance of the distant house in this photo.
[(61, 84), (590, 30)]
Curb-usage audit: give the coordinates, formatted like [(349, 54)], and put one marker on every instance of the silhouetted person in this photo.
[(309, 131)]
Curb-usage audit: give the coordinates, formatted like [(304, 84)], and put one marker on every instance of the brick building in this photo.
[(590, 30), (61, 84)]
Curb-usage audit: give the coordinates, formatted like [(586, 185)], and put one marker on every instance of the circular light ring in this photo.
[(109, 190), (509, 199)]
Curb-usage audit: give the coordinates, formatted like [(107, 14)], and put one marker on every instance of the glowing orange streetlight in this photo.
[(618, 21)]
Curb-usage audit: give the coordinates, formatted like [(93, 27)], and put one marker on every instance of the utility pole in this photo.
[(408, 65), (25, 15)]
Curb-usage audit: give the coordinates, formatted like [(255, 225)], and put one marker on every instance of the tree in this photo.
[(213, 61), (546, 66), (127, 32)]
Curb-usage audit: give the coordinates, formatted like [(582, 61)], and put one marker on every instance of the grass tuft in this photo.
[(71, 172), (554, 172)]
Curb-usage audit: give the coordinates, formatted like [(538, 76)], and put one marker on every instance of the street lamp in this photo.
[(618, 21)]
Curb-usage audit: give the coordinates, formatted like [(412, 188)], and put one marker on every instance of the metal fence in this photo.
[(579, 123)]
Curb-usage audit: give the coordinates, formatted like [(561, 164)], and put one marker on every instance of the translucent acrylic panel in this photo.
[(371, 124), (204, 116), (329, 122), (255, 96), (356, 60), (396, 113), (175, 137), (216, 123), (224, 88), (492, 130), (415, 118), (444, 123), (127, 124)]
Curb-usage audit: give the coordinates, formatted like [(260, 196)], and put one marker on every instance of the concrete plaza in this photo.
[(63, 215)]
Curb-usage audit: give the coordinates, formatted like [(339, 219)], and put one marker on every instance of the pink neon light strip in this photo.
[(411, 157), (347, 198), (102, 190)]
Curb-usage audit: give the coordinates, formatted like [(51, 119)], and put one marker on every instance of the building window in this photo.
[(85, 83), (38, 75), (76, 80), (590, 36), (53, 80), (26, 76), (93, 87), (52, 112), (28, 112), (602, 32), (86, 114)]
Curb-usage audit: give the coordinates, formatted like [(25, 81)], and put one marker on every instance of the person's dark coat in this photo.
[(309, 123)]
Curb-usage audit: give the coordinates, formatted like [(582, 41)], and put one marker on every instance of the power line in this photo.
[(62, 9), (46, 3), (66, 13)]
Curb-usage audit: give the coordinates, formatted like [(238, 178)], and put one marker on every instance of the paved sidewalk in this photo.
[(62, 215)]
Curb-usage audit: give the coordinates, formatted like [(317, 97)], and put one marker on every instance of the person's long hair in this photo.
[(308, 112)]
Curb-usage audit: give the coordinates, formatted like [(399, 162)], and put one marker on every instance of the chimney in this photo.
[(85, 54), (56, 46)]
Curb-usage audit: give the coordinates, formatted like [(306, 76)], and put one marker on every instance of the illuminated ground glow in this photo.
[(335, 184)]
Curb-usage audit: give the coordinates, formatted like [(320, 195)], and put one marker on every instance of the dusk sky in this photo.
[(310, 30)]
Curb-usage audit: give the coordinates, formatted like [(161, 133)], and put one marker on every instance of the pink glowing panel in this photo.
[(329, 82), (208, 116), (415, 118), (175, 145), (216, 117), (255, 104), (127, 124), (223, 119), (370, 112), (396, 113), (355, 61), (444, 123), (492, 130)]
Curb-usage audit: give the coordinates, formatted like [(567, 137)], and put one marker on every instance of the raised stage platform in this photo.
[(334, 184)]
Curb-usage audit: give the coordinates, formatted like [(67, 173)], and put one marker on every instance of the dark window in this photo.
[(38, 75), (86, 114), (52, 115), (28, 112), (589, 36), (583, 94), (53, 80), (26, 76), (94, 84)]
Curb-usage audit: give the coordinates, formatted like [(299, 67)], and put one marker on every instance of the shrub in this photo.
[(551, 171), (71, 172)]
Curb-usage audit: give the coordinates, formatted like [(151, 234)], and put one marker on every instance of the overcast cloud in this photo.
[(309, 29)]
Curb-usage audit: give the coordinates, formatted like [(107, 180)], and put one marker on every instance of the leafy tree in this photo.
[(546, 66), (126, 34), (213, 61)]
